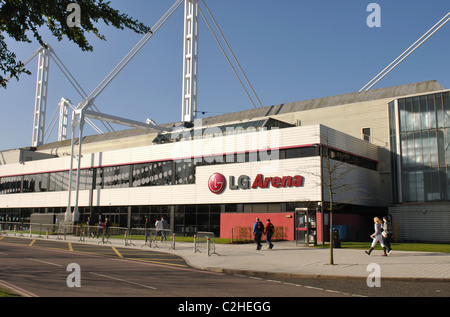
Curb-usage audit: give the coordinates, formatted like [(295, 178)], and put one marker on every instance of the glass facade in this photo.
[(420, 140)]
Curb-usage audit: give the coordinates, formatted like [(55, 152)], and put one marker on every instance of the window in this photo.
[(366, 134)]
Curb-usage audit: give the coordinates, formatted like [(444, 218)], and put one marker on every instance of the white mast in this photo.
[(190, 56), (40, 105)]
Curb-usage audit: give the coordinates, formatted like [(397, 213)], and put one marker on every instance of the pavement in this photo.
[(288, 260)]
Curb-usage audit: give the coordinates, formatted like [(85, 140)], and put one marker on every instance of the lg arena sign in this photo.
[(217, 182)]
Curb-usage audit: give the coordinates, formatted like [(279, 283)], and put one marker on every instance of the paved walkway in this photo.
[(287, 259)]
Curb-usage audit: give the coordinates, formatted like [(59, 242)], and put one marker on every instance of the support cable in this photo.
[(78, 88), (411, 49), (124, 62), (232, 54)]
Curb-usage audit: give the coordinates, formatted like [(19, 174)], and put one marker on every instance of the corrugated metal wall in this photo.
[(424, 222)]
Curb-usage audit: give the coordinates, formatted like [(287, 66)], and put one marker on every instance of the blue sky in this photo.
[(290, 50)]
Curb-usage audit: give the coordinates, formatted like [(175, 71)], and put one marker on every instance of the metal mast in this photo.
[(190, 55), (40, 105)]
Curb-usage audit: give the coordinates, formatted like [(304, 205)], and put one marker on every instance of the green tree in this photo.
[(20, 19)]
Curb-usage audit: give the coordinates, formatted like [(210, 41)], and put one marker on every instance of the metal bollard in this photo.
[(195, 244), (173, 242), (207, 245)]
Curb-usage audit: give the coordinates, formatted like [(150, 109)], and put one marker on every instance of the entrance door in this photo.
[(301, 226), (305, 226)]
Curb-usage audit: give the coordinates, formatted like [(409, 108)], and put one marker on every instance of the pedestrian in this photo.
[(158, 226), (268, 231), (146, 227), (89, 225), (99, 228), (376, 236), (165, 226), (107, 226), (387, 234), (258, 230)]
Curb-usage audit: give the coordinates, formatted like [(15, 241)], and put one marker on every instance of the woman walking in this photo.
[(376, 236)]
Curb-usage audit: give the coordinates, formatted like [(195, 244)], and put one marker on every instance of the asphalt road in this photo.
[(44, 268)]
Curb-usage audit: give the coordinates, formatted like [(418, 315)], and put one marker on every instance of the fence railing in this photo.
[(151, 237), (205, 241), (61, 231)]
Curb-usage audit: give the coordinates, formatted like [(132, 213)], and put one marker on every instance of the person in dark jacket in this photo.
[(268, 231), (387, 234), (258, 230)]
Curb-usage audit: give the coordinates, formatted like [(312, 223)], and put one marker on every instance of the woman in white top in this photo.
[(376, 236)]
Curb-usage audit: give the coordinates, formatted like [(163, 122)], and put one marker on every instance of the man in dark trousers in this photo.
[(268, 231), (258, 230)]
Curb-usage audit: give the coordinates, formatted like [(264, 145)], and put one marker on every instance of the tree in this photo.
[(21, 18), (335, 167)]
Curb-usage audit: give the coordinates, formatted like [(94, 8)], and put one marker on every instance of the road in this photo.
[(43, 268)]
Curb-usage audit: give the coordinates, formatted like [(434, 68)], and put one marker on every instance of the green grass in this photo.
[(422, 247), (5, 293)]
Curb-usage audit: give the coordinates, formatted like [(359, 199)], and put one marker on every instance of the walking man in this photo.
[(268, 231), (258, 230)]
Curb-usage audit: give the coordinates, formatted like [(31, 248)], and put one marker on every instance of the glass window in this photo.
[(424, 113), (426, 148), (433, 149), (184, 173), (116, 176), (418, 148), (366, 134), (431, 112), (401, 111), (409, 115), (446, 102), (439, 111), (416, 110)]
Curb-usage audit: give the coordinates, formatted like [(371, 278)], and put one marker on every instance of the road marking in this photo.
[(158, 262), (32, 242), (117, 252), (122, 280), (45, 262), (16, 289)]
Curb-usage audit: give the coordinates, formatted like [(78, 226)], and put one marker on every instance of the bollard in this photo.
[(195, 244), (47, 232), (173, 242), (207, 245)]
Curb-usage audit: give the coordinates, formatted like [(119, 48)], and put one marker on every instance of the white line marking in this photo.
[(121, 280), (45, 262)]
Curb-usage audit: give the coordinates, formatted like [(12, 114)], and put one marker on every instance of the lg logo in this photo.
[(216, 183)]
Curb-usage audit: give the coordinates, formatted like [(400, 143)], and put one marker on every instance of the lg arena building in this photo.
[(373, 153)]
